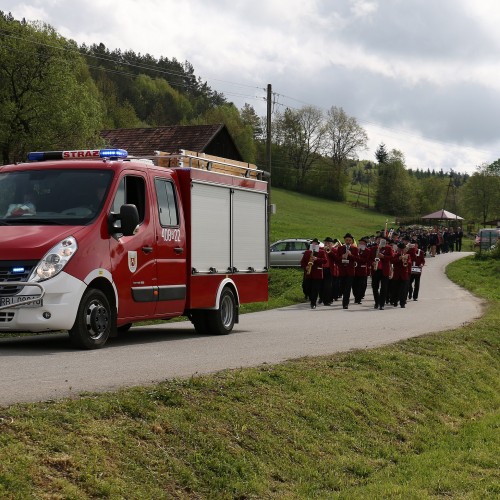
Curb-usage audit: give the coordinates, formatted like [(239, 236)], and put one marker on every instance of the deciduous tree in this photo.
[(480, 195), (300, 135), (47, 98), (344, 139)]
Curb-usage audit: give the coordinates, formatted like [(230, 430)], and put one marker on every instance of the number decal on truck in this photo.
[(171, 234)]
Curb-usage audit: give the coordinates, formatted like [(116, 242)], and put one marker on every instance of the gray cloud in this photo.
[(424, 66), (420, 28)]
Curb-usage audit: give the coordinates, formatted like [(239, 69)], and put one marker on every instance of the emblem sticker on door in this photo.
[(132, 261)]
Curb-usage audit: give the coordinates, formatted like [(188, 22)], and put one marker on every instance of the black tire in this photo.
[(221, 321), (94, 321), (124, 328), (200, 322)]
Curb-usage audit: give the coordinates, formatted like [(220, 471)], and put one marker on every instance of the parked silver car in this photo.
[(288, 253)]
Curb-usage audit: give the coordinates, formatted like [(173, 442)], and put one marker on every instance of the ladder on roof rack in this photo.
[(184, 158)]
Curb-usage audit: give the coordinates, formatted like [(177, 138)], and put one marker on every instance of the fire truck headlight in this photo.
[(54, 260)]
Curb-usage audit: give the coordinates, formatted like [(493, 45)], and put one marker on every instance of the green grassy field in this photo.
[(417, 419), (302, 216)]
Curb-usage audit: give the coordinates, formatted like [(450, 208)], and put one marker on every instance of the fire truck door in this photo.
[(133, 257), (171, 249)]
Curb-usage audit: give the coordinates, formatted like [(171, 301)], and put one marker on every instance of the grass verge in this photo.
[(418, 419)]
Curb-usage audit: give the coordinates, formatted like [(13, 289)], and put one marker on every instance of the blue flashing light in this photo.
[(44, 155), (17, 270), (35, 156), (113, 153)]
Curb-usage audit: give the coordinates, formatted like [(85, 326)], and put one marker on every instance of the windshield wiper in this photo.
[(34, 221)]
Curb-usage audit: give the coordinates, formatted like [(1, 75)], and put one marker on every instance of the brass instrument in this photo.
[(309, 266), (345, 257), (376, 260), (329, 248), (404, 257)]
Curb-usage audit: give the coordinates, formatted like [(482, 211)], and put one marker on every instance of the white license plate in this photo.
[(19, 301)]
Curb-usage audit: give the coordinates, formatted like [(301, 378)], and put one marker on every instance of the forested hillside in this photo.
[(55, 95)]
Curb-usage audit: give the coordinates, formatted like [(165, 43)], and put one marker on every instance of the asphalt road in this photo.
[(46, 367)]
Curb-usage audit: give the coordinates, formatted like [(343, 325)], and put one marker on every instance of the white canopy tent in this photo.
[(442, 215)]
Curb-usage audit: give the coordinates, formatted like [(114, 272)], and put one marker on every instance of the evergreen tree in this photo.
[(395, 188), (249, 117), (381, 154)]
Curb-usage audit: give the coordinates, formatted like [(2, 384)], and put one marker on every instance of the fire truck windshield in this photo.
[(59, 196)]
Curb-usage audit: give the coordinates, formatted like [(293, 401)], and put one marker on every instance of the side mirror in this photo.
[(129, 217), (126, 223)]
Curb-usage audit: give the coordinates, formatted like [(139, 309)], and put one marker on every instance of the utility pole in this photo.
[(268, 158), (451, 185), (269, 110)]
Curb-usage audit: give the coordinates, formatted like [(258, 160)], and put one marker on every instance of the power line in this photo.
[(276, 96), (121, 62), (402, 132)]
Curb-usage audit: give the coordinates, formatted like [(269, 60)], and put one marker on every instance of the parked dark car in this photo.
[(487, 239), (288, 253)]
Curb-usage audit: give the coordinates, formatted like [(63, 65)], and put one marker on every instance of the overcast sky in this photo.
[(421, 76)]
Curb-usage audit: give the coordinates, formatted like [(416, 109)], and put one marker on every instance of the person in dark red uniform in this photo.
[(402, 269), (347, 255), (334, 270), (361, 271), (326, 292), (312, 263), (418, 258), (381, 255)]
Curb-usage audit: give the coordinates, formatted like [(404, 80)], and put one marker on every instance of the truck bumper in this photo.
[(58, 311)]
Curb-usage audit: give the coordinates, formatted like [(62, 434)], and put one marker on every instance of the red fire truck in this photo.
[(92, 241)]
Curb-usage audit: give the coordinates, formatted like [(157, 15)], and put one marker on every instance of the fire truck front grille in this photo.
[(5, 317), (10, 271)]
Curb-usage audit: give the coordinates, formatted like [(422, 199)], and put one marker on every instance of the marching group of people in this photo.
[(334, 270)]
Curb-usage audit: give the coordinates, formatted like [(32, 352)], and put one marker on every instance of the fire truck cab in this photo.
[(93, 241)]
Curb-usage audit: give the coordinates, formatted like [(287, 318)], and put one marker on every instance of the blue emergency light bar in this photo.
[(81, 154)]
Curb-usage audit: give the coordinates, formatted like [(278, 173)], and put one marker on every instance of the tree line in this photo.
[(57, 95)]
